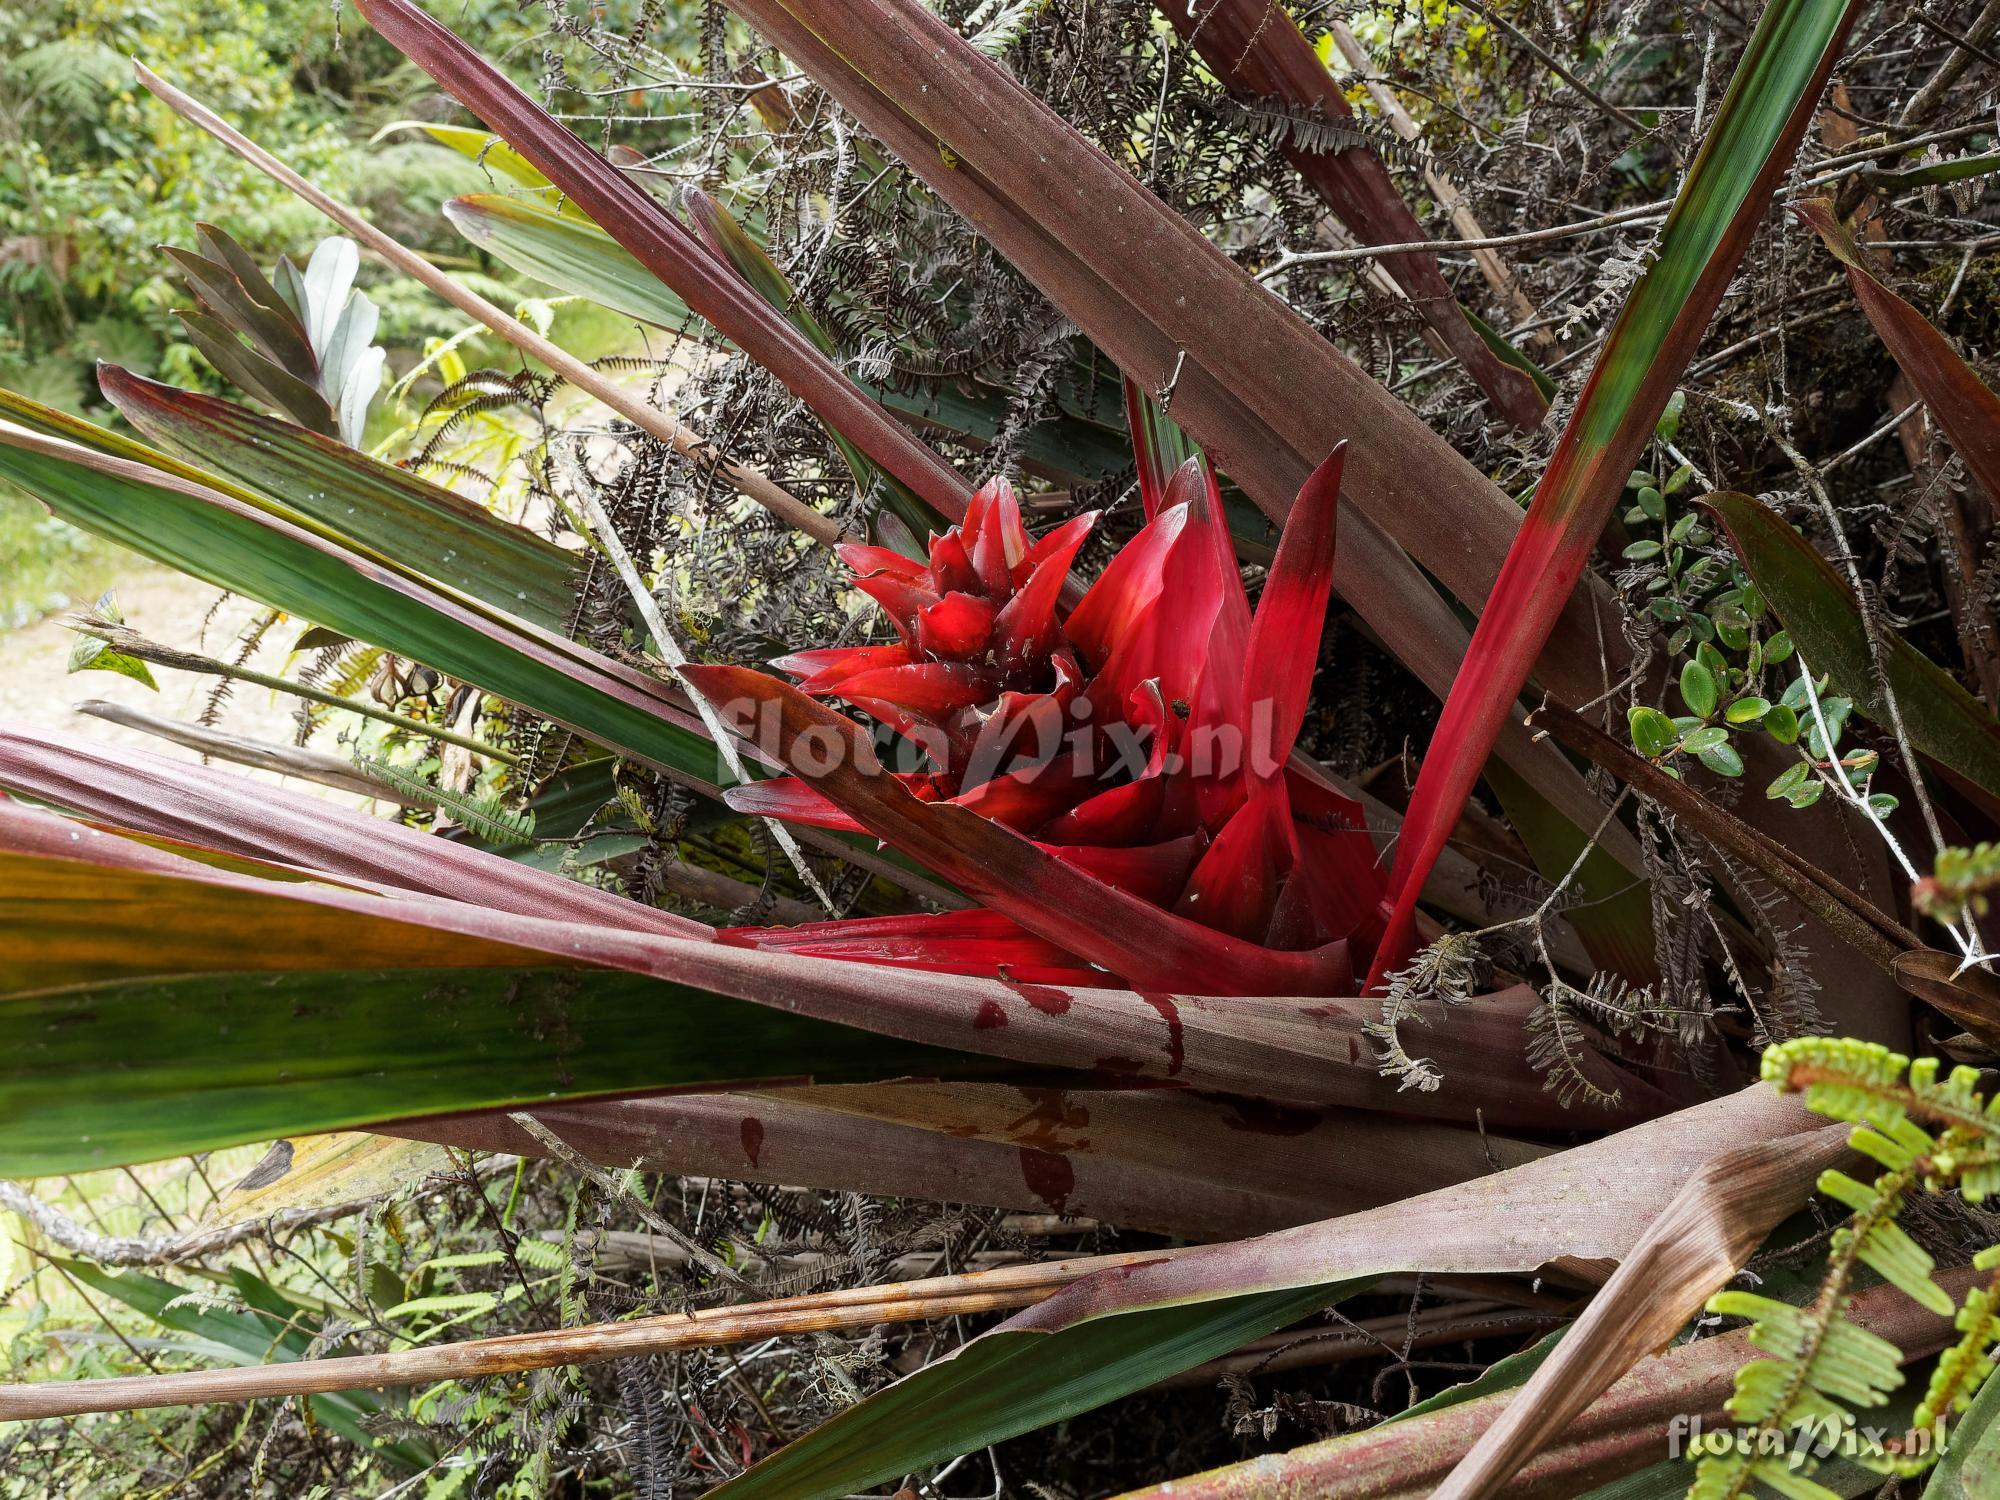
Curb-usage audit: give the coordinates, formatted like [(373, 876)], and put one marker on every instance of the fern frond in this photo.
[(485, 816), (1821, 1366)]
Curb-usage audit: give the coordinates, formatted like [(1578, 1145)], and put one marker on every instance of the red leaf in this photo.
[(1968, 412), (954, 942), (1126, 589), (1028, 629), (1722, 201), (790, 798), (1146, 947), (1235, 887), (1153, 872), (824, 669), (931, 689), (1283, 649), (957, 625)]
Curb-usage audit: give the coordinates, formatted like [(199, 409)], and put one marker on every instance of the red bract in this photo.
[(1144, 740)]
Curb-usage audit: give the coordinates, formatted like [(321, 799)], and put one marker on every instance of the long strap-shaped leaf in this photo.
[(173, 799), (666, 248), (384, 508), (1750, 145), (1696, 1245), (1269, 1049), (1968, 412), (1116, 1333), (265, 554), (1256, 48), (1166, 1160), (566, 251)]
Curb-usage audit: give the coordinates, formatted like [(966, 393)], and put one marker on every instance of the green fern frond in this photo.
[(485, 816), (1822, 1367)]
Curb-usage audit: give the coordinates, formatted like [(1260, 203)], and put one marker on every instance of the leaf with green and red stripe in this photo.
[(1720, 204)]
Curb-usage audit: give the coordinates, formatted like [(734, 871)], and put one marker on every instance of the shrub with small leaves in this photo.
[(1716, 619)]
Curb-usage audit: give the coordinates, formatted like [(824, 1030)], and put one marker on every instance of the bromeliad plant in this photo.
[(1142, 738), (1138, 881)]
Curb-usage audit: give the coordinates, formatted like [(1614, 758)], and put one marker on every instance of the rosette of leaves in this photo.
[(300, 342)]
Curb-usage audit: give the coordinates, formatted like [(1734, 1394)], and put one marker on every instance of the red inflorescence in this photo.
[(1144, 736)]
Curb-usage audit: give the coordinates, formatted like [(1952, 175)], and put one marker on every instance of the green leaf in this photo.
[(135, 1070), (1642, 550), (1747, 710), (1511, 354), (1782, 724), (1788, 780), (571, 254), (1705, 739), (476, 145), (1945, 722), (90, 654), (283, 561), (1012, 1381), (1722, 759), (271, 1329), (1653, 733), (1698, 689), (386, 509), (1669, 425)]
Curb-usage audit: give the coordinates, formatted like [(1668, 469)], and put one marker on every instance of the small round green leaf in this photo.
[(1723, 760), (1788, 780), (1705, 739), (1653, 733), (1698, 689)]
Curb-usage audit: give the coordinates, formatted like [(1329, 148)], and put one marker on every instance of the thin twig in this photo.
[(860, 1307)]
